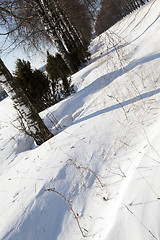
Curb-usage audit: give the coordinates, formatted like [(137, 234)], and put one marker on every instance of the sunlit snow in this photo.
[(104, 160)]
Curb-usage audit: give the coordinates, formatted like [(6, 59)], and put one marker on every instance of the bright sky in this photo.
[(37, 60)]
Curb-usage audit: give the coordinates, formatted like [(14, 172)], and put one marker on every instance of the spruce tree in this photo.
[(32, 123), (35, 85), (59, 73)]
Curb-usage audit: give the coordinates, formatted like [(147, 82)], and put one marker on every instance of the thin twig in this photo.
[(86, 168), (141, 222), (70, 206)]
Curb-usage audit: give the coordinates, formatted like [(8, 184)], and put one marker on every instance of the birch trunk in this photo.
[(49, 23), (74, 34), (31, 120)]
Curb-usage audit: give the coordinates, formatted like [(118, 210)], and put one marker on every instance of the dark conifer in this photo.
[(35, 85), (59, 73), (30, 121), (114, 10)]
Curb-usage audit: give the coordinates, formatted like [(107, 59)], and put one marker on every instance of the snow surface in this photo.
[(104, 159)]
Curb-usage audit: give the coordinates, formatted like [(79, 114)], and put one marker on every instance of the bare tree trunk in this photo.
[(64, 32), (77, 38), (49, 22), (31, 120)]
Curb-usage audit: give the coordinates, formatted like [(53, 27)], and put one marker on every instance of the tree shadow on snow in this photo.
[(120, 105), (137, 12), (105, 80), (73, 107), (108, 78)]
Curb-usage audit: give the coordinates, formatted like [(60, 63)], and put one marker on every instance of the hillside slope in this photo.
[(103, 164)]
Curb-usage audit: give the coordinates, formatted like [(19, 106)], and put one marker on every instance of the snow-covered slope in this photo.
[(103, 164)]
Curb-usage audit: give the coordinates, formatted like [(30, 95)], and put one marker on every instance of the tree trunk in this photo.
[(29, 115), (47, 18), (74, 34)]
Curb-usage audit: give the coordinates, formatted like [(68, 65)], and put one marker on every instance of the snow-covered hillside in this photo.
[(100, 174)]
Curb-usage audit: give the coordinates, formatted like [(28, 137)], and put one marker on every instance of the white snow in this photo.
[(105, 156)]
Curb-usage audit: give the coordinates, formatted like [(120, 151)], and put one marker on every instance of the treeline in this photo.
[(44, 89), (33, 24), (66, 24), (114, 10)]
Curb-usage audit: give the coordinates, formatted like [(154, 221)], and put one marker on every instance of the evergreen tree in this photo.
[(35, 85), (58, 72), (31, 122), (67, 87)]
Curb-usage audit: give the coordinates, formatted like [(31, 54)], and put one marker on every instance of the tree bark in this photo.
[(49, 22), (31, 119), (74, 34)]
